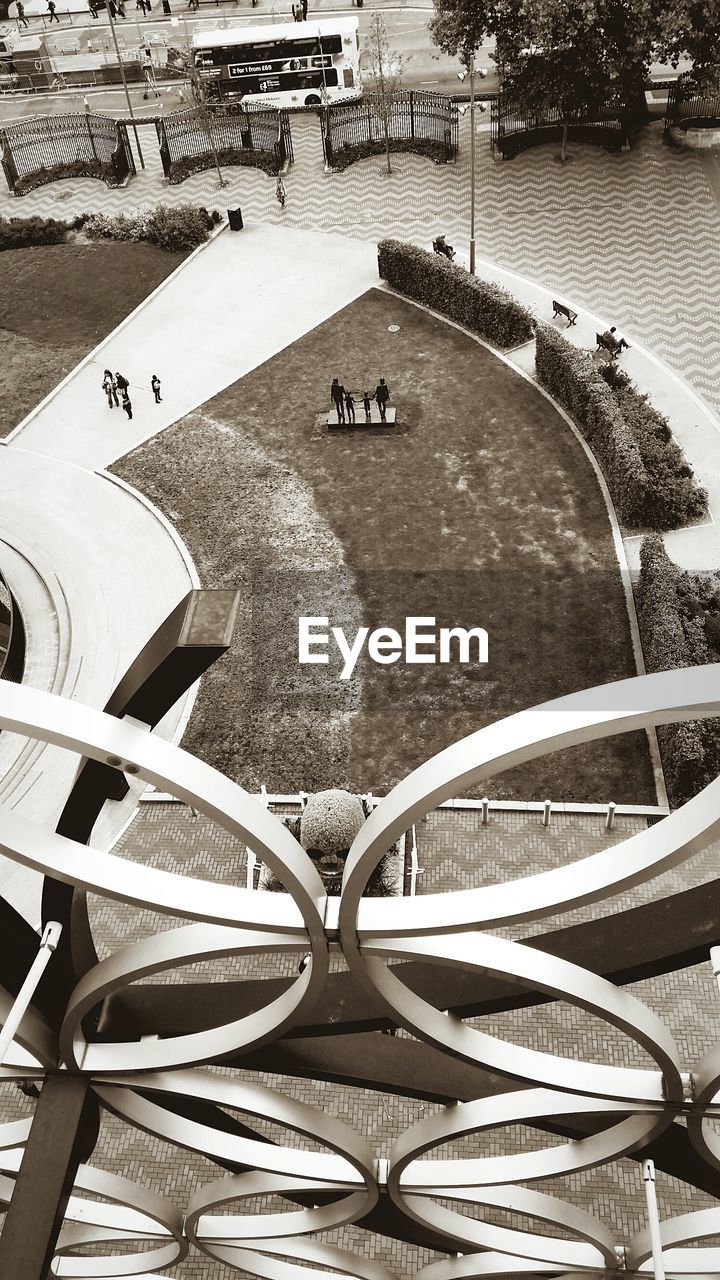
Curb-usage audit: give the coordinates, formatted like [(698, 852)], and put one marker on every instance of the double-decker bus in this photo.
[(289, 64)]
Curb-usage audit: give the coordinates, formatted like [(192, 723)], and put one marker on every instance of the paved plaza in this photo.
[(632, 240)]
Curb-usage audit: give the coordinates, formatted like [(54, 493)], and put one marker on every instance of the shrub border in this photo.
[(456, 289)]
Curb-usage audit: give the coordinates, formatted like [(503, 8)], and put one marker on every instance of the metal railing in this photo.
[(45, 148), (414, 117), (513, 130), (236, 132), (687, 102)]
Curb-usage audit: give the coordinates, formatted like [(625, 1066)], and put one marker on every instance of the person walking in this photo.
[(121, 382), (20, 9), (126, 403), (350, 406), (304, 9), (142, 4), (51, 11), (93, 8), (280, 192), (382, 395), (155, 384), (337, 395), (110, 389), (366, 405)]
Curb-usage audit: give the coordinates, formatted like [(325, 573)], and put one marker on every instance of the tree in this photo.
[(554, 60), (631, 34), (695, 34), (203, 109), (385, 71)]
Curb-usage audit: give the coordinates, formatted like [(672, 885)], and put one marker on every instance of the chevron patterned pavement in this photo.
[(635, 237)]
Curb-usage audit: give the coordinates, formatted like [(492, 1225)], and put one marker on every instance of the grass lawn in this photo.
[(56, 303), (480, 510)]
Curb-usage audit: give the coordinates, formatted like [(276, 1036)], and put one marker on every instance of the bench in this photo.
[(607, 344), (559, 309)]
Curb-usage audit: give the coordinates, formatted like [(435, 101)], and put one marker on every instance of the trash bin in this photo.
[(235, 219)]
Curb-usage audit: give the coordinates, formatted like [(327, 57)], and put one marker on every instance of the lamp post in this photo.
[(125, 86), (461, 76)]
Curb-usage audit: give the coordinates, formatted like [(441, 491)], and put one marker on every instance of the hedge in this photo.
[(679, 618), (483, 308), (26, 233), (429, 148), (647, 473), (181, 169), (174, 229), (73, 169)]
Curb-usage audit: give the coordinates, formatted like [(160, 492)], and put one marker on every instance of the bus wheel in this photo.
[(312, 100)]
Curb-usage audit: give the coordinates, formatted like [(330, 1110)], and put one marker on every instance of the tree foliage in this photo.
[(595, 41)]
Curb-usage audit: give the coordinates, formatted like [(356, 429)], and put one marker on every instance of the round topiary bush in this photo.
[(330, 821)]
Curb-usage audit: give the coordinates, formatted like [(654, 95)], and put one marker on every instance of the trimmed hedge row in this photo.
[(647, 473), (429, 148), (483, 308), (679, 618)]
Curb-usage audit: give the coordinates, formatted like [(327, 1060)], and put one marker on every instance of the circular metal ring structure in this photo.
[(547, 973), (147, 1082), (633, 1127), (166, 952), (350, 1165)]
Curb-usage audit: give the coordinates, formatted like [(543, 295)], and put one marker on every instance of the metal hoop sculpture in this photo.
[(147, 1082)]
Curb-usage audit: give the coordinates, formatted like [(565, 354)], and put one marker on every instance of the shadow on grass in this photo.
[(482, 511)]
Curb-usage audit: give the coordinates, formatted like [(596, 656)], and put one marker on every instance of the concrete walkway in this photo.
[(95, 571), (238, 302), (694, 424)]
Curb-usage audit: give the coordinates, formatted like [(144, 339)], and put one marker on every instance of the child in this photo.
[(366, 405), (350, 406), (108, 385), (155, 384)]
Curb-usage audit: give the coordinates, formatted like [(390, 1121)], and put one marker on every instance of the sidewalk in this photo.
[(243, 298), (694, 425)]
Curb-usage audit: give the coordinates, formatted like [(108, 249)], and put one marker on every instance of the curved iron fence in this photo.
[(687, 103), (513, 130), (241, 135), (45, 148), (418, 120)]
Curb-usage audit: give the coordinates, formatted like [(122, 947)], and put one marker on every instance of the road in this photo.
[(423, 66)]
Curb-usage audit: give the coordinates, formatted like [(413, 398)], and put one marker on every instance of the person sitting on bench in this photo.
[(619, 340), (440, 246)]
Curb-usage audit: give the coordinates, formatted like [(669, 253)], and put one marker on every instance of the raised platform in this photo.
[(360, 419)]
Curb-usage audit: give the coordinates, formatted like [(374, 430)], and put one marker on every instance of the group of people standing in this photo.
[(114, 383), (344, 401)]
